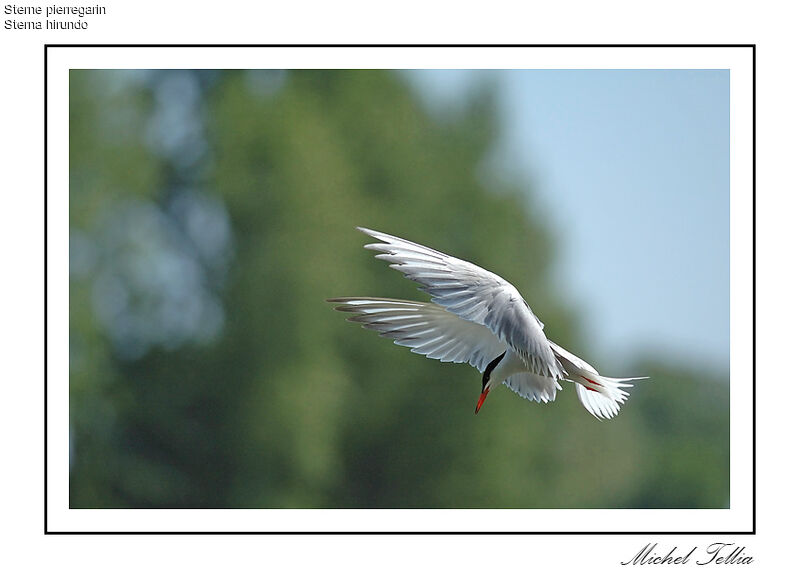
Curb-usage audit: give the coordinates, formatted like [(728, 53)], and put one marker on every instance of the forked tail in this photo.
[(600, 395)]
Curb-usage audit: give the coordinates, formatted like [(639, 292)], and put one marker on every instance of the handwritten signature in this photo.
[(717, 553)]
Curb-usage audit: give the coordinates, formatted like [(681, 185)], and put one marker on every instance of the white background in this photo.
[(31, 553)]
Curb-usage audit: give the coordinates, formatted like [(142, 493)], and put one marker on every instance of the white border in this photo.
[(736, 519)]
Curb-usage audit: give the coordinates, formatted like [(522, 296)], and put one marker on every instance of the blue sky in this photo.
[(632, 168)]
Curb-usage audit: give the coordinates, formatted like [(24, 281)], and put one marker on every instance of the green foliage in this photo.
[(289, 406)]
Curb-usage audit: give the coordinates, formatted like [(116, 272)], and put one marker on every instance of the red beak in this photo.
[(481, 399)]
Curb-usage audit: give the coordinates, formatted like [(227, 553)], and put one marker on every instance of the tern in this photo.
[(477, 317)]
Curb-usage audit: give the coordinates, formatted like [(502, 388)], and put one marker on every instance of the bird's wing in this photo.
[(427, 328), (473, 294), (533, 387)]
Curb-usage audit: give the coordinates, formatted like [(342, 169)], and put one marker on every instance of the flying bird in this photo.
[(477, 317)]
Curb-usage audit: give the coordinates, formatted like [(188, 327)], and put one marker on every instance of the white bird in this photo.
[(477, 317)]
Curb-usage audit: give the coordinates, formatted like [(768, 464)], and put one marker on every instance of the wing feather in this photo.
[(473, 294), (426, 328), (533, 387)]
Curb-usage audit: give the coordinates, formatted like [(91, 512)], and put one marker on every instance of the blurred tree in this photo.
[(211, 215)]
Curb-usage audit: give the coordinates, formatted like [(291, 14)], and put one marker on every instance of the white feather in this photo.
[(475, 316), (427, 328), (474, 294)]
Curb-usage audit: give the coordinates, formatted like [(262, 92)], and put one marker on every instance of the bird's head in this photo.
[(487, 382), (486, 386)]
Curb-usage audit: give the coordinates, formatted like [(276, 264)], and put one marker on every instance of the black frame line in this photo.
[(750, 532)]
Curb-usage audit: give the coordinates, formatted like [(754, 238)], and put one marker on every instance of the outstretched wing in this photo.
[(473, 294), (427, 328)]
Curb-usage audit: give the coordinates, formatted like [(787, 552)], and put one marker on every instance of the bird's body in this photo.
[(477, 317)]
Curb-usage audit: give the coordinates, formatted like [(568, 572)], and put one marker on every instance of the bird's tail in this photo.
[(600, 395)]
